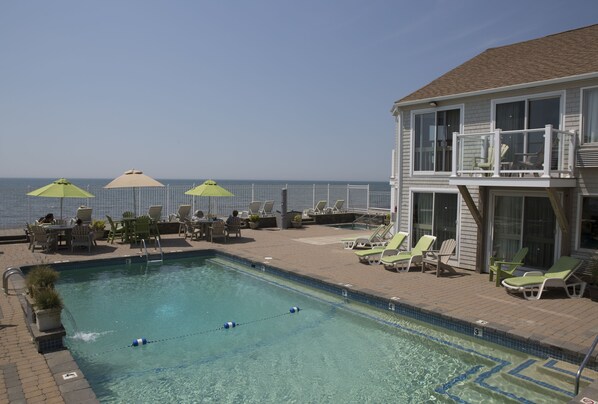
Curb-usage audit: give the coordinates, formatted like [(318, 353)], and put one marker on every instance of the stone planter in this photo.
[(98, 234), (297, 225), (48, 319), (254, 225)]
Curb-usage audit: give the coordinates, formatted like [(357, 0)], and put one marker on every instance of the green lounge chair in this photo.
[(533, 283), (378, 238), (373, 255), (506, 269), (403, 260)]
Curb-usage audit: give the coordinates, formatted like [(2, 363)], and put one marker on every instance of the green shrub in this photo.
[(297, 218), (47, 298), (254, 218), (40, 277), (98, 225)]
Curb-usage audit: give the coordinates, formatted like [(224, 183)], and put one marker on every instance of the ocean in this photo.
[(17, 208)]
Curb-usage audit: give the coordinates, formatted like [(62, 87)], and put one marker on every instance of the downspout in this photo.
[(398, 181)]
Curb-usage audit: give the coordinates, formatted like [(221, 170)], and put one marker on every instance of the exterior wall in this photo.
[(477, 118)]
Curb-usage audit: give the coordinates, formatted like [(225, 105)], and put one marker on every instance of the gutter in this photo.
[(397, 104)]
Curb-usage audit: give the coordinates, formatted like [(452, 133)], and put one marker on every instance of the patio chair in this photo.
[(116, 230), (141, 229), (440, 258), (218, 230), (267, 209), (532, 284), (487, 163), (233, 226), (402, 261), (374, 255), (182, 215), (506, 269), (378, 238), (81, 236), (84, 213), (43, 239)]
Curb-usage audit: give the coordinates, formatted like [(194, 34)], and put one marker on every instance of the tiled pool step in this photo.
[(531, 381)]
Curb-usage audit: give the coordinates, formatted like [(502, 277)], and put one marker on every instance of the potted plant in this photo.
[(40, 277), (48, 307), (296, 222), (98, 227), (254, 221)]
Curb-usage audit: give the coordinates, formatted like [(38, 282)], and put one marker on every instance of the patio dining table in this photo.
[(61, 229)]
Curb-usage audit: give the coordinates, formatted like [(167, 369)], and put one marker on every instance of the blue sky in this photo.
[(289, 90)]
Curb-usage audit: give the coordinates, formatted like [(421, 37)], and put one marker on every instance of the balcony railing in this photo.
[(542, 153)]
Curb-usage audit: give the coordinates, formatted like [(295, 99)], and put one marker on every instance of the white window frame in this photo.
[(436, 191), (553, 94), (460, 107), (581, 128)]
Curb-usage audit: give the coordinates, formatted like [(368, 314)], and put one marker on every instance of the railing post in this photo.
[(496, 151), (456, 141), (328, 195), (547, 151), (572, 150), (313, 196)]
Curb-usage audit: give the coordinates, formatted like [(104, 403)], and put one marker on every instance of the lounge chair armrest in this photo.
[(389, 251), (532, 273), (507, 263)]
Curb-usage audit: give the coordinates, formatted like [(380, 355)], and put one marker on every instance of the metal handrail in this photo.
[(584, 363), (10, 271), (157, 240)]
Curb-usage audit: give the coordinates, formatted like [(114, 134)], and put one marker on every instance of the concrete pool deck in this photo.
[(566, 324)]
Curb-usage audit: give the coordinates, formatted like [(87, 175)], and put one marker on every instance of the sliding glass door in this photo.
[(524, 221)]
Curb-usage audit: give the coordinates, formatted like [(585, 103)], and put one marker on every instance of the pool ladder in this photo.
[(147, 256), (7, 274)]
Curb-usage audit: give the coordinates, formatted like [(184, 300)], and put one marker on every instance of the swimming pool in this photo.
[(332, 350)]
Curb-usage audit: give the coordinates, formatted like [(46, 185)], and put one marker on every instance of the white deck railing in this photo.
[(526, 153)]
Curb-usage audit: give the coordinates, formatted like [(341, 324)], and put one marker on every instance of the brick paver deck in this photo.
[(315, 251)]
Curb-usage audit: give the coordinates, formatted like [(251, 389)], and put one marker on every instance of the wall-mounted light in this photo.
[(433, 104)]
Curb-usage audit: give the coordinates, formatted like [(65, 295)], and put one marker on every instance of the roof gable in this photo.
[(566, 54)]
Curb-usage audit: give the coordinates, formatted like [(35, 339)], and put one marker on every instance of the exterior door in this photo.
[(524, 221)]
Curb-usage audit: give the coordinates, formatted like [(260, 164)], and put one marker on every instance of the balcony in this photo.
[(521, 156)]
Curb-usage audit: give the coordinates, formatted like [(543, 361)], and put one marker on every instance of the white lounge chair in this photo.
[(337, 207), (155, 212), (267, 209), (320, 207), (84, 213), (532, 284)]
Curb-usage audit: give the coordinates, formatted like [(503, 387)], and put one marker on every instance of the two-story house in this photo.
[(502, 153)]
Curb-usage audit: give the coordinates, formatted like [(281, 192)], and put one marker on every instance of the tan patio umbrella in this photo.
[(61, 188), (209, 188), (134, 179)]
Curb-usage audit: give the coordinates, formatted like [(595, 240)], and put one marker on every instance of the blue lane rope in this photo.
[(226, 326)]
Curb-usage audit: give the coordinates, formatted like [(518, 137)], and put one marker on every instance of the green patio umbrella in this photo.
[(61, 188), (209, 188)]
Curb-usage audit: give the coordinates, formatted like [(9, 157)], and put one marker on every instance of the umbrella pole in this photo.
[(61, 208)]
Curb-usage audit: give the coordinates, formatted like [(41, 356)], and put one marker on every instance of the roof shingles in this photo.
[(566, 54)]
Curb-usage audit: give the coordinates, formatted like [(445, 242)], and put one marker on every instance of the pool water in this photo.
[(332, 350)]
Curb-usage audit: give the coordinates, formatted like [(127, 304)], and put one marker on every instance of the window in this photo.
[(433, 140), (527, 114), (588, 234), (434, 214), (590, 116)]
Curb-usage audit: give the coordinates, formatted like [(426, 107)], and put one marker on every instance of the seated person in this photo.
[(197, 216), (234, 219), (48, 219)]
